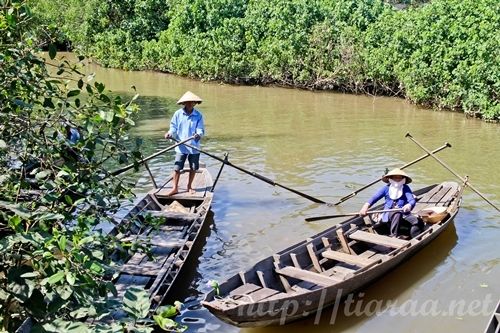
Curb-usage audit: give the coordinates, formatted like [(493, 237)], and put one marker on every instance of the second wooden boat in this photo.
[(316, 272), (172, 232)]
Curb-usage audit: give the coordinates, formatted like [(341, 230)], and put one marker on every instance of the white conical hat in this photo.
[(396, 172), (189, 97)]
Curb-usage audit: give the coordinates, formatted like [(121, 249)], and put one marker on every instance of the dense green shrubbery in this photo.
[(441, 54), (444, 54), (56, 193)]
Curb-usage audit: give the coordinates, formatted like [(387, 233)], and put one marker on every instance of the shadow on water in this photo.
[(384, 291)]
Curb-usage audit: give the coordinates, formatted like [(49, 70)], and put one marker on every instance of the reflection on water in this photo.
[(326, 145)]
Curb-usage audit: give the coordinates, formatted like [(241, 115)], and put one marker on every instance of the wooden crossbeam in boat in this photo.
[(283, 280), (314, 258), (295, 260), (348, 258), (260, 275), (368, 237), (326, 242), (343, 241), (304, 275)]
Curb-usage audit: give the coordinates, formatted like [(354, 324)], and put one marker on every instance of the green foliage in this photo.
[(56, 265), (441, 53)]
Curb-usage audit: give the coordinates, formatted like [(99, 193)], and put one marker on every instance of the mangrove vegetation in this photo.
[(442, 53)]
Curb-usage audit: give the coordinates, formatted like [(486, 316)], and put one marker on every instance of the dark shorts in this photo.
[(193, 159)]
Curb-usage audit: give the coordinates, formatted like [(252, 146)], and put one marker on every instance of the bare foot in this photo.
[(172, 192), (191, 191)]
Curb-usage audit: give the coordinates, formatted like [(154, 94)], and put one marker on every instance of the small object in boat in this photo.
[(433, 214)]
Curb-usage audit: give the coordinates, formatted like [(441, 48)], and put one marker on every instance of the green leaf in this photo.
[(107, 115), (165, 323), (47, 102), (30, 275), (42, 174), (50, 216), (14, 222), (80, 84), (3, 145), (16, 209), (60, 325), (52, 51), (62, 243), (68, 199), (56, 277), (73, 93), (136, 302), (64, 291), (167, 311), (100, 87)]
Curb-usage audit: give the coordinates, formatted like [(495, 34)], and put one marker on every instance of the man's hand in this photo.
[(197, 137), (168, 135)]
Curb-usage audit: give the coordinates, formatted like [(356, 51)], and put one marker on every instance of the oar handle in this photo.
[(326, 217), (130, 166)]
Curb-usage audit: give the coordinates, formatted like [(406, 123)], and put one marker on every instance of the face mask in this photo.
[(396, 188)]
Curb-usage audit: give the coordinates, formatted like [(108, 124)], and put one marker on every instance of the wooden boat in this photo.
[(316, 272), (494, 323), (179, 220)]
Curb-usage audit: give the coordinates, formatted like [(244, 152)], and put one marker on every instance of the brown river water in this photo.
[(327, 145)]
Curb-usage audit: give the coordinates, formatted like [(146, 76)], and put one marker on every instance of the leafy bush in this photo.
[(54, 189), (439, 53)]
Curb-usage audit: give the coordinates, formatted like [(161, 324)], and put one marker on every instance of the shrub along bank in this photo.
[(441, 54)]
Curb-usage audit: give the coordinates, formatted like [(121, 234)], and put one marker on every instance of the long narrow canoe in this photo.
[(314, 273), (179, 220)]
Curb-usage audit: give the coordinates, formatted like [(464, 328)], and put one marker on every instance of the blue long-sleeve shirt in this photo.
[(182, 126), (406, 198)]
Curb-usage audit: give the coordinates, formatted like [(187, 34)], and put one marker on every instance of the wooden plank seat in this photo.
[(254, 291), (154, 241), (349, 258), (244, 289), (305, 275), (368, 237), (188, 217)]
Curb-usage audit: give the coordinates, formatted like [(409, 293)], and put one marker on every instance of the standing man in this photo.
[(185, 123)]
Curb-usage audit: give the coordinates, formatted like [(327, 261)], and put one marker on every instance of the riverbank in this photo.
[(442, 54)]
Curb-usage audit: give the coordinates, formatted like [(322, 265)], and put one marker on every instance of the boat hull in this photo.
[(296, 300)]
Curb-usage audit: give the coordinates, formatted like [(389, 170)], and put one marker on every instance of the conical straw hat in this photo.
[(396, 172), (189, 97)]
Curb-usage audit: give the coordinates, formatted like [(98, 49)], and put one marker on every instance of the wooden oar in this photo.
[(465, 181), (446, 145), (130, 166), (325, 217), (256, 175)]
